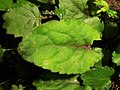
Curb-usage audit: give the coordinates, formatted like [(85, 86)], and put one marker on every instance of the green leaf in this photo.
[(62, 46), (72, 9), (116, 58), (15, 87), (47, 1), (59, 85), (116, 55), (94, 23), (1, 53), (102, 3), (21, 1), (104, 7), (43, 1), (22, 18), (112, 13), (98, 78), (5, 4)]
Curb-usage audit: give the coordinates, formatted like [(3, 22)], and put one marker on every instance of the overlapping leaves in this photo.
[(62, 46)]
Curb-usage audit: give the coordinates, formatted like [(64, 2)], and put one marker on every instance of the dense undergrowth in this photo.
[(59, 45)]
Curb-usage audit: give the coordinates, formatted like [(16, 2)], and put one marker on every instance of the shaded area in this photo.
[(110, 38)]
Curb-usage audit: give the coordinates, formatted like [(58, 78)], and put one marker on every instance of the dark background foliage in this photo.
[(15, 70)]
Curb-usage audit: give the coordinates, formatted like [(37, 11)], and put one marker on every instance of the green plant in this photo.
[(104, 7), (63, 45)]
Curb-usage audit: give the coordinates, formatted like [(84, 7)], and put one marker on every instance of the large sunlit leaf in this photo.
[(59, 85), (98, 78), (72, 9), (22, 18), (5, 4), (62, 46)]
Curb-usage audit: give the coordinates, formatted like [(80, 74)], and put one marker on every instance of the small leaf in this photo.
[(22, 18), (116, 58), (62, 46), (59, 85), (102, 3), (99, 11), (5, 4), (116, 55), (112, 13), (98, 78), (15, 87)]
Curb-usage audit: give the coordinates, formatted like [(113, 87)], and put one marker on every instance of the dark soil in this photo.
[(114, 5)]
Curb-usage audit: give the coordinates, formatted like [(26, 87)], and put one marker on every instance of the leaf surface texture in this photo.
[(75, 9), (98, 78), (22, 18), (59, 85), (5, 4), (62, 46)]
